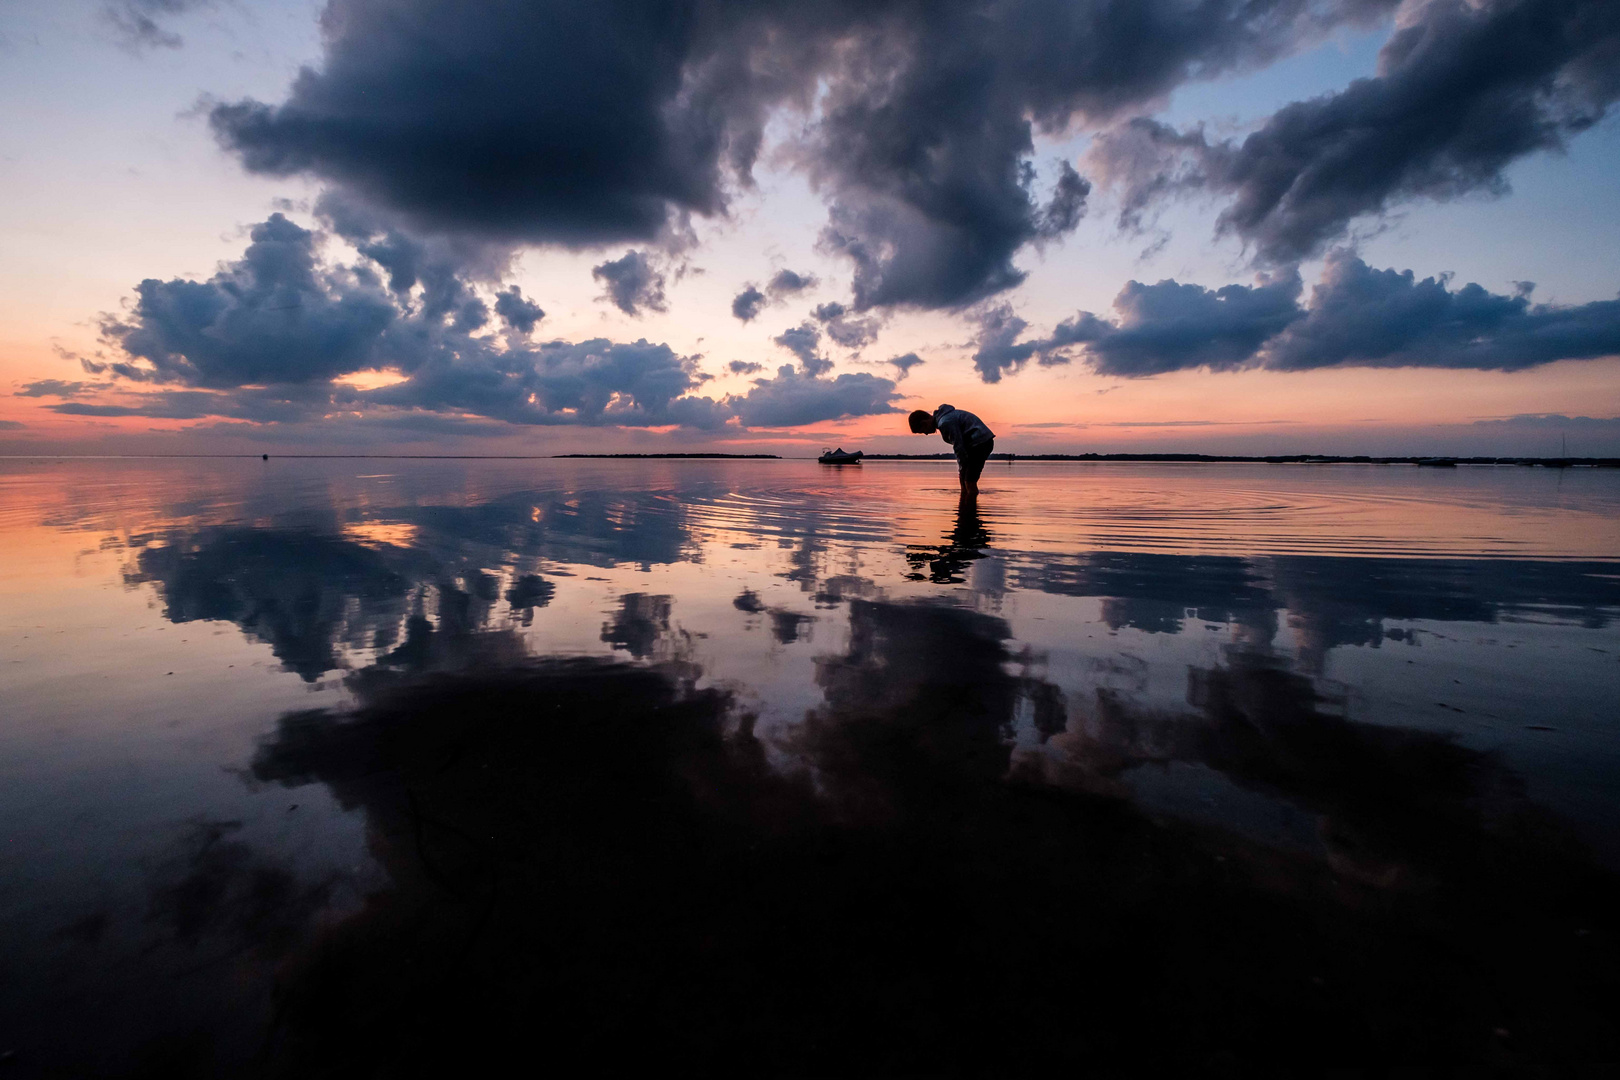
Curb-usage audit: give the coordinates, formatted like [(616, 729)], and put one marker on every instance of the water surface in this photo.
[(766, 766)]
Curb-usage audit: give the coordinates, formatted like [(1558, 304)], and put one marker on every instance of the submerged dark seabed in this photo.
[(329, 768)]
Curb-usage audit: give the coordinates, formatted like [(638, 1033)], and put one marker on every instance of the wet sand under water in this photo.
[(745, 768)]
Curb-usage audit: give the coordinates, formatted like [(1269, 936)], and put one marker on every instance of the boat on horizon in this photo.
[(839, 457)]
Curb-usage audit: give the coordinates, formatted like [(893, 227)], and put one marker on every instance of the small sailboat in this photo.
[(838, 457)]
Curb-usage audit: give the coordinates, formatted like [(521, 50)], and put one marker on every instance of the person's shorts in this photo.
[(971, 461)]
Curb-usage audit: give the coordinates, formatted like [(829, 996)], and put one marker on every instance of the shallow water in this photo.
[(1297, 694)]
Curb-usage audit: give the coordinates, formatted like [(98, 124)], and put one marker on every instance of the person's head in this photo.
[(922, 422)]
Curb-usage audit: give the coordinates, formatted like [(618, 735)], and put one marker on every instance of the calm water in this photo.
[(770, 767)]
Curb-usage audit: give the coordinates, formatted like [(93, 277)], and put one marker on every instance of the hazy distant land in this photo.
[(774, 457), (1270, 459)]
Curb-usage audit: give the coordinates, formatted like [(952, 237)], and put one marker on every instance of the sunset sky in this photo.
[(1246, 226)]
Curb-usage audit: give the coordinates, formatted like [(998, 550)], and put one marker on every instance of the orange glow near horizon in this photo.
[(1062, 409), (372, 379)]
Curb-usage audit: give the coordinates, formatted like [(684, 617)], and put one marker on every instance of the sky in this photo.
[(419, 226)]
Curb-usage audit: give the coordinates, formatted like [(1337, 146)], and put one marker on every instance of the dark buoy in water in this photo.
[(265, 456)]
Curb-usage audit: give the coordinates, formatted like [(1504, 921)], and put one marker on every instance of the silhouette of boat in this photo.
[(838, 457)]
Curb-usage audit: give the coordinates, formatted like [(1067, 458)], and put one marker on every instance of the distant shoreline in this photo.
[(743, 457), (1189, 459), (1278, 459)]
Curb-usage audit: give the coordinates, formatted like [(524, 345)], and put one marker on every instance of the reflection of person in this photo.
[(964, 544), (969, 436)]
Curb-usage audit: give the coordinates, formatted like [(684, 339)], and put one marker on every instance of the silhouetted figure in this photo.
[(970, 437)]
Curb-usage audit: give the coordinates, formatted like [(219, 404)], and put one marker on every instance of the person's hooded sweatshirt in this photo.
[(961, 428)]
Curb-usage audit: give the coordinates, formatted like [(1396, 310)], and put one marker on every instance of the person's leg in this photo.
[(972, 466)]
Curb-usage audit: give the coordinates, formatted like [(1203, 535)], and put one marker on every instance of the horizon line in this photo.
[(1123, 458)]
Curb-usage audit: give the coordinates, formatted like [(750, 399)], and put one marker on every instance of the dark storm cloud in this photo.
[(258, 405), (997, 343), (904, 363), (804, 341), (1556, 421), (587, 124), (376, 427), (136, 24), (553, 123), (929, 131), (902, 258), (745, 367), (788, 283), (275, 328), (516, 312), (751, 301), (1462, 91), (844, 328), (273, 316), (1068, 204), (442, 265), (632, 283), (748, 303), (1171, 326), (1388, 318), (998, 349), (792, 399), (51, 388), (558, 382), (1357, 317), (205, 351), (929, 135), (180, 405), (448, 134)]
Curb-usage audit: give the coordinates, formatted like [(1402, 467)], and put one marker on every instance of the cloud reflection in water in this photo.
[(600, 858), (743, 779)]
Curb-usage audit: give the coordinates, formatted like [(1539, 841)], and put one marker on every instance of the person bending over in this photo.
[(969, 436)]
